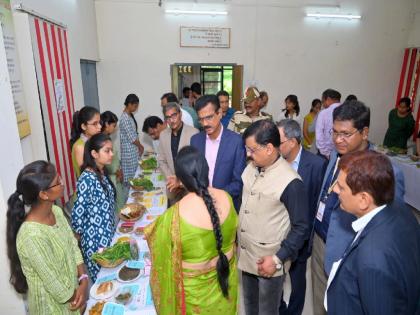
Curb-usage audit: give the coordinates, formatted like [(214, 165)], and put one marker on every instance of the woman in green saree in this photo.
[(193, 246)]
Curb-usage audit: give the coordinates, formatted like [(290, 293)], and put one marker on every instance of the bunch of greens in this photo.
[(149, 164), (144, 182), (120, 250)]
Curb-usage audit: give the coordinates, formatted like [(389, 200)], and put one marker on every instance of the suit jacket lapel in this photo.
[(377, 220), (303, 165)]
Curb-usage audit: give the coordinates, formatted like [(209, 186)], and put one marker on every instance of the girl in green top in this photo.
[(308, 128), (109, 124), (45, 260), (86, 123), (401, 125)]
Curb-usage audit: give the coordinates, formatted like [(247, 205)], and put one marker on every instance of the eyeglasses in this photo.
[(59, 183), (96, 124), (281, 142), (344, 135), (171, 117), (206, 118), (252, 151)]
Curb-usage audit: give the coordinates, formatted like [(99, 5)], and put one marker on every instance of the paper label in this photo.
[(135, 264), (320, 212), (113, 309), (106, 278)]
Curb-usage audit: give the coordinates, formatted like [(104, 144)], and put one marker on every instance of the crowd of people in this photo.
[(249, 198)]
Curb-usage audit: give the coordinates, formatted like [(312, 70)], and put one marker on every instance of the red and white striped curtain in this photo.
[(50, 48), (409, 81)]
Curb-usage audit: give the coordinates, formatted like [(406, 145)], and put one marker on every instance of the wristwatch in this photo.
[(277, 261)]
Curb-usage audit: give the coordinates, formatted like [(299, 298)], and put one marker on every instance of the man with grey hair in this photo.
[(311, 169), (170, 142)]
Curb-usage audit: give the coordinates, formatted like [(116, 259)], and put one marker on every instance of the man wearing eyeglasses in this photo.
[(332, 231), (223, 148), (170, 142), (273, 221)]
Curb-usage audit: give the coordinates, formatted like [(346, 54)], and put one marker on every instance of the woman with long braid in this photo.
[(193, 246)]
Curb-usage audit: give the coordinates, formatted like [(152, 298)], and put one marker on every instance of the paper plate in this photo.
[(106, 295)]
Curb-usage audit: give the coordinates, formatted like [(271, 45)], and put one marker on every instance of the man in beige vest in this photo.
[(273, 221), (171, 140)]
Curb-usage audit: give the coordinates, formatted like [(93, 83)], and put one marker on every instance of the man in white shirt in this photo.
[(153, 126), (171, 97), (379, 271)]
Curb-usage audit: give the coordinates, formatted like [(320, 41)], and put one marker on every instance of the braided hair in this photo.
[(32, 179), (192, 170)]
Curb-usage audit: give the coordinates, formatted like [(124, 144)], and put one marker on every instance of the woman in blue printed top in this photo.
[(93, 212)]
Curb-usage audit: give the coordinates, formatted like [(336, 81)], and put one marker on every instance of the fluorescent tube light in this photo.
[(335, 16), (196, 12)]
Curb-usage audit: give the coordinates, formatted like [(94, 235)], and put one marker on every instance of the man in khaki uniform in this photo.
[(243, 119), (273, 220)]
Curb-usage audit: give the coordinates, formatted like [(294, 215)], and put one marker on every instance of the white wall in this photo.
[(79, 15), (80, 18), (10, 165), (281, 50)]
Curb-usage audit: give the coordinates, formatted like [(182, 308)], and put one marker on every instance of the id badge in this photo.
[(320, 212)]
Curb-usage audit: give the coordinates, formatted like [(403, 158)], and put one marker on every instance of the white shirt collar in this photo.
[(296, 161), (361, 222)]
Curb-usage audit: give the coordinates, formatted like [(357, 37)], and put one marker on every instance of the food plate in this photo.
[(123, 296), (131, 212), (97, 308), (126, 274), (114, 255), (108, 289), (126, 228)]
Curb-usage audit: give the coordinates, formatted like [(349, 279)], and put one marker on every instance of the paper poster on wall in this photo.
[(205, 37), (14, 68), (59, 95)]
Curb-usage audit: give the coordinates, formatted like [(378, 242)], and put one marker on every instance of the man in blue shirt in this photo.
[(227, 111)]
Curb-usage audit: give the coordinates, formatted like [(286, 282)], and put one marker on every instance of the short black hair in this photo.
[(406, 100), (332, 94), (170, 97), (108, 117), (185, 90), (151, 122), (205, 100), (222, 93), (351, 97), (264, 131), (131, 99), (196, 88), (355, 111)]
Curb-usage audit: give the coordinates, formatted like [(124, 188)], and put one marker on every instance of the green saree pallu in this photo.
[(180, 291)]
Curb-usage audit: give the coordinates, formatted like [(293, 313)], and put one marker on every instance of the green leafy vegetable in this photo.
[(120, 250), (144, 182), (149, 164)]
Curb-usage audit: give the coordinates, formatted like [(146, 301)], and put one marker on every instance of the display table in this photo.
[(141, 303), (411, 179)]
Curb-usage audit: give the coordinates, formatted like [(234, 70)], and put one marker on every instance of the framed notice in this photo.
[(204, 37), (6, 23)]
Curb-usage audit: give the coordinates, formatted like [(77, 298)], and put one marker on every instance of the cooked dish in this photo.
[(128, 274), (97, 308), (104, 288)]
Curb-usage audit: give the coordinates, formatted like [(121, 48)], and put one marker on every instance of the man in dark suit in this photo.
[(310, 168), (380, 269), (223, 148)]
